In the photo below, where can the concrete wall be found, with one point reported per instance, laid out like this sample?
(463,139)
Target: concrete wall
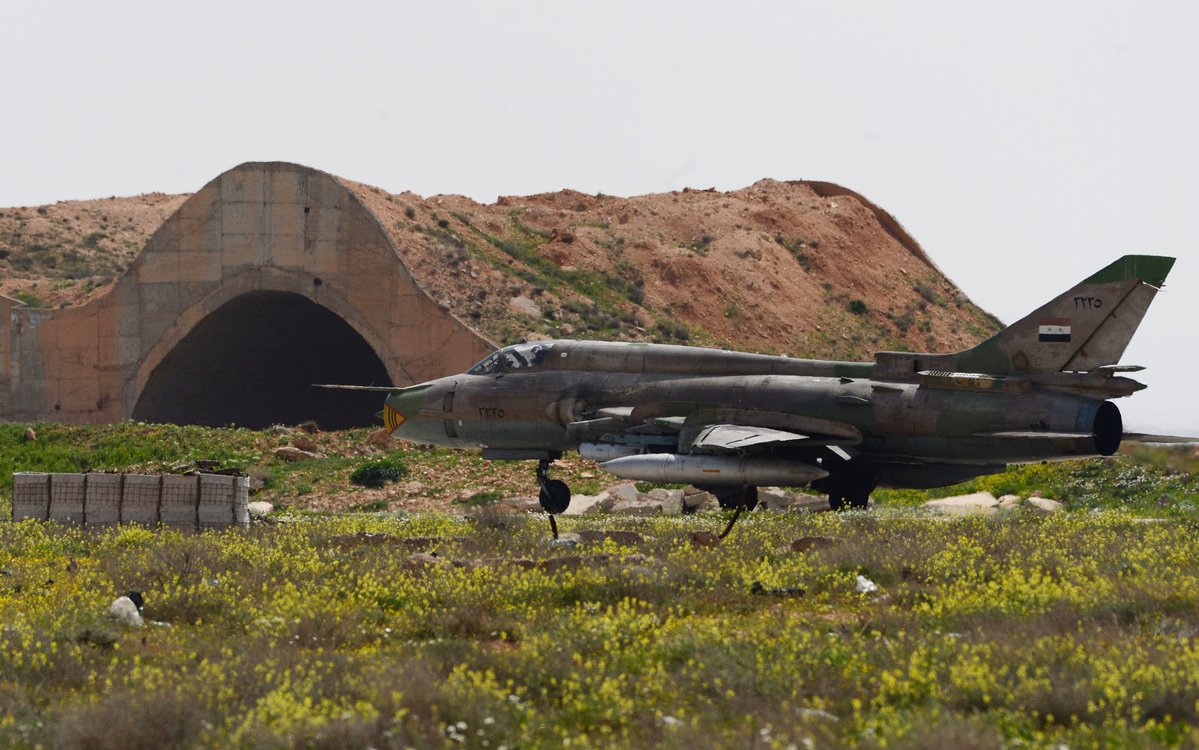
(260,226)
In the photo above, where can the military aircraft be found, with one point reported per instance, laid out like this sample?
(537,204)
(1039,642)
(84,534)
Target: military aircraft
(730,421)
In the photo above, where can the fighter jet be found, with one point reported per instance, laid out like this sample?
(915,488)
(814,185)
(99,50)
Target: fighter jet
(729,422)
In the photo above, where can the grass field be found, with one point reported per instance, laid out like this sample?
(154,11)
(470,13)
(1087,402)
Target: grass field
(469,629)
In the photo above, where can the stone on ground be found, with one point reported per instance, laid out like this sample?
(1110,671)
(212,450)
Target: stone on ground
(589,505)
(778,499)
(293,454)
(124,611)
(978,503)
(1008,502)
(260,508)
(1043,504)
(696,500)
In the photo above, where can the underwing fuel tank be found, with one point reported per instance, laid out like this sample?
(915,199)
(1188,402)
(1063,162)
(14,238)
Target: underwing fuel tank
(713,470)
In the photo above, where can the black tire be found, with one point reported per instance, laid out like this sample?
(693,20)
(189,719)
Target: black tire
(554,496)
(848,486)
(859,485)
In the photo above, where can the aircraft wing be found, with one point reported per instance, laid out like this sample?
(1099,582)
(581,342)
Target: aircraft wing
(732,437)
(703,428)
(726,430)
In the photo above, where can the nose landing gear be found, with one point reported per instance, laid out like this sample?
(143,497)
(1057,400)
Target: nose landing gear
(554,495)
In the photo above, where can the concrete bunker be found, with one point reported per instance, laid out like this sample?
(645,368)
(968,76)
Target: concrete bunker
(253,362)
(271,278)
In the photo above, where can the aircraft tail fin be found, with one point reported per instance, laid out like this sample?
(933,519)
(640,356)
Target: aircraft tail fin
(1087,327)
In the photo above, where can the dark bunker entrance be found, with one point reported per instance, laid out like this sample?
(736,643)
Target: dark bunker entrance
(253,362)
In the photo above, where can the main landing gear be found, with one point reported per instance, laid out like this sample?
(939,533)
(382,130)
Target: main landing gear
(848,485)
(554,495)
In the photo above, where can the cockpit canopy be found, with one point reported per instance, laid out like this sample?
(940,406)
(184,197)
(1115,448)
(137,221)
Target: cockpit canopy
(511,358)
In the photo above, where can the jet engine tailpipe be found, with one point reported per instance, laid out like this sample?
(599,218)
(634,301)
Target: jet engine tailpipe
(713,470)
(1108,429)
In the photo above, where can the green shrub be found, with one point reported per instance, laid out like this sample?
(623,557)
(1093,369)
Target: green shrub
(378,473)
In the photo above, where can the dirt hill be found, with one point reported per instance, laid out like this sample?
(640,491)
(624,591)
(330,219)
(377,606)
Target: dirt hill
(806,268)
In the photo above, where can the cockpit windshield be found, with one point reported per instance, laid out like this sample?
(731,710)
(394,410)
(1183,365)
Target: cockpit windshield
(511,358)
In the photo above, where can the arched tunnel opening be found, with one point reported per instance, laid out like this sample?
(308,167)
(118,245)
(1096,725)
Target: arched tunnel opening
(253,362)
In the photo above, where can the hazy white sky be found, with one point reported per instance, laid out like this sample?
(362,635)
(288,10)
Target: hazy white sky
(1023,144)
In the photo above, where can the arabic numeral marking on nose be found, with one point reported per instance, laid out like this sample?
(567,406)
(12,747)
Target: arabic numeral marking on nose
(491,412)
(1088,303)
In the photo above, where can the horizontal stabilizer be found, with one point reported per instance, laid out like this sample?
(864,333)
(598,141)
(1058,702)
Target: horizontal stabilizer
(371,388)
(1138,437)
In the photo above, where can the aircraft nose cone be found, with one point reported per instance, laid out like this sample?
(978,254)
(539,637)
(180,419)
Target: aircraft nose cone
(403,405)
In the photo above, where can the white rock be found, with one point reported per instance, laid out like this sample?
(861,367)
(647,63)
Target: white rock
(523,504)
(1009,501)
(773,498)
(523,304)
(260,508)
(293,454)
(639,507)
(671,500)
(979,503)
(865,585)
(588,505)
(624,491)
(696,501)
(124,611)
(1044,504)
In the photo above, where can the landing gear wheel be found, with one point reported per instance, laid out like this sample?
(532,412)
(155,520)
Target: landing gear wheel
(848,487)
(554,496)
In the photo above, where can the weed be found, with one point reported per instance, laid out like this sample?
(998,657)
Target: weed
(32,300)
(700,245)
(485,497)
(373,506)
